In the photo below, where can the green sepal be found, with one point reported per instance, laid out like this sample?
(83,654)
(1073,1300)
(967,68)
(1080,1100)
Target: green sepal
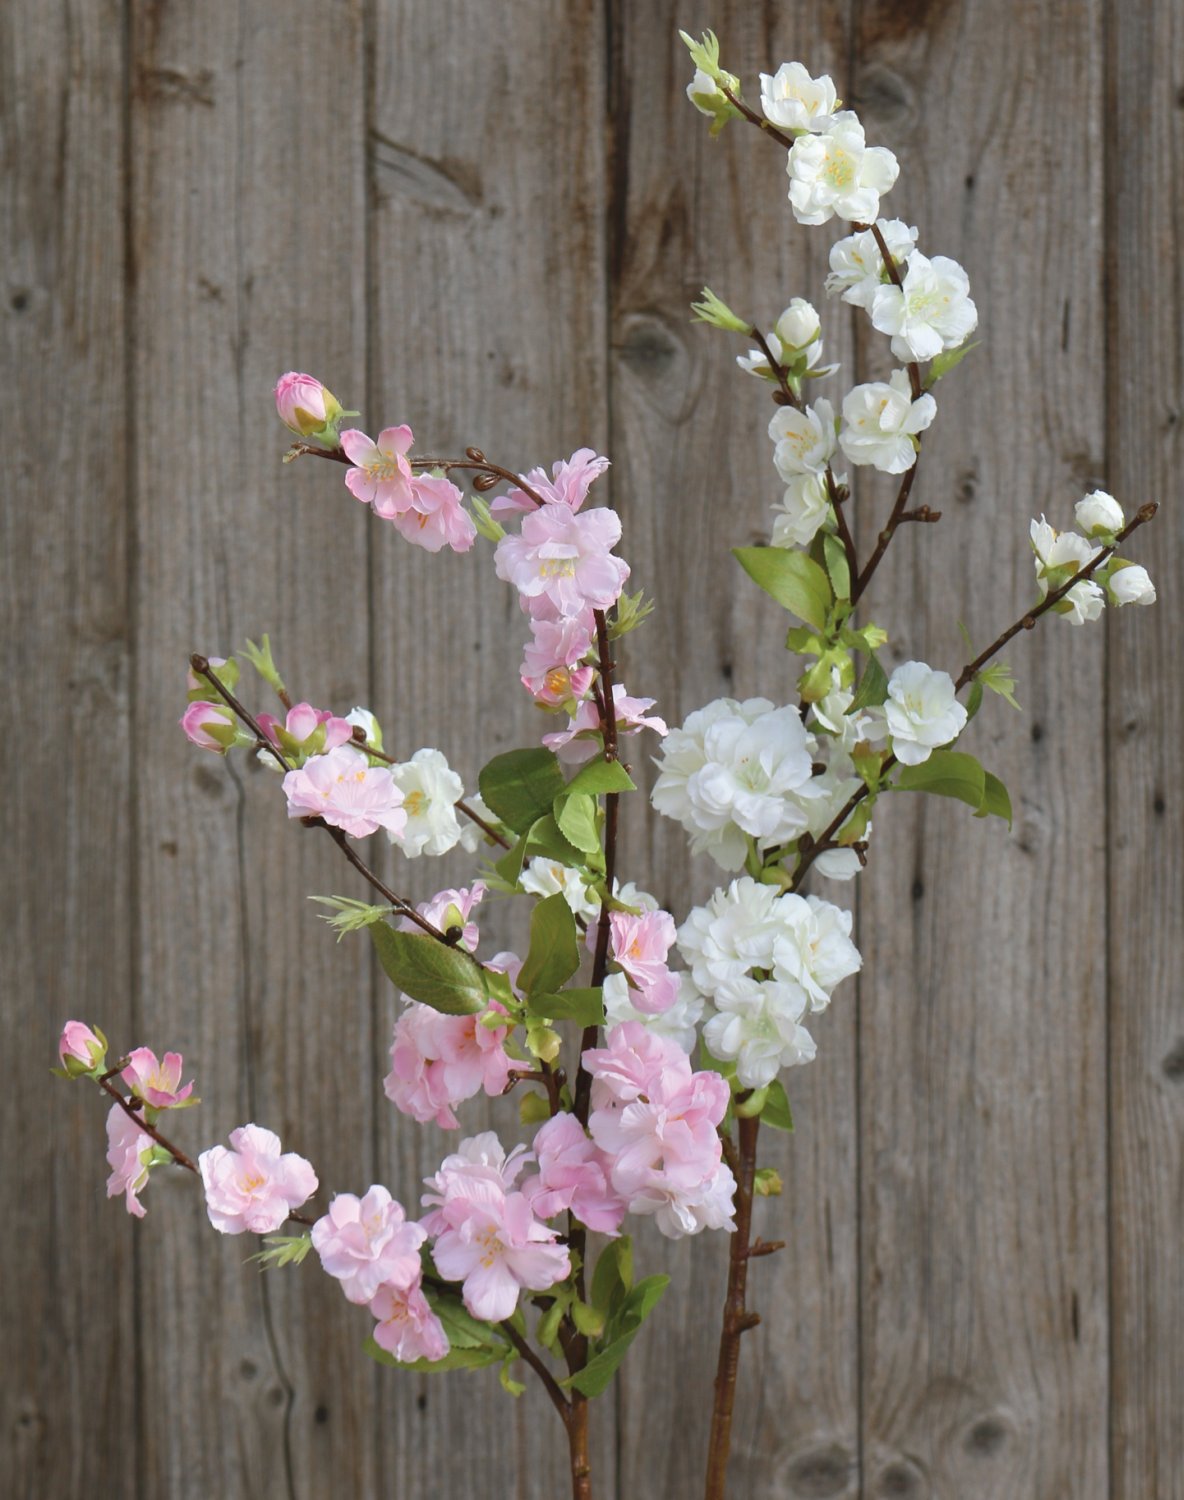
(794,580)
(425,969)
(632,610)
(767,1183)
(588,1320)
(520,786)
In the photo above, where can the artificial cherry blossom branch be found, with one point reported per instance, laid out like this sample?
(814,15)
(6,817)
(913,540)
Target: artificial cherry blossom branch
(474,459)
(898,282)
(201,666)
(1026,621)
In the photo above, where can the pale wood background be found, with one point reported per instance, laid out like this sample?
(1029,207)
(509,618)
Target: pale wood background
(488,220)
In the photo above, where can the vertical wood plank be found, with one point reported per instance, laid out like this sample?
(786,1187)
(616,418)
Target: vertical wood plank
(694,476)
(68,1393)
(1146,915)
(487,169)
(982,1044)
(250,252)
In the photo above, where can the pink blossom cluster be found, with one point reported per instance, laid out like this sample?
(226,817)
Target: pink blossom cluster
(344,789)
(369,1245)
(128,1151)
(583,738)
(656,1121)
(253,1187)
(487,1235)
(574,1176)
(438,1061)
(426,509)
(639,945)
(561,563)
(306,731)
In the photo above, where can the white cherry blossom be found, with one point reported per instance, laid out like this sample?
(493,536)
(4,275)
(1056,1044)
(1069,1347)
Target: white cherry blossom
(430,792)
(803,510)
(921,712)
(836,172)
(931,310)
(856,266)
(1131,585)
(805,440)
(881,421)
(793,100)
(1097,512)
(756,1025)
(547,877)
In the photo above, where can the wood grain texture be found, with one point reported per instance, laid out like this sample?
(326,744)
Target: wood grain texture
(487,247)
(489,221)
(693,476)
(248,219)
(1146,730)
(68,902)
(982,1036)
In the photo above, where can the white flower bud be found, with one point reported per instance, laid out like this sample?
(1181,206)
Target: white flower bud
(1132,585)
(1098,512)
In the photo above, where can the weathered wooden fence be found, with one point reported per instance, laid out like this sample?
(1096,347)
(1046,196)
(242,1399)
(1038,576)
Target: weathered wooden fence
(488,220)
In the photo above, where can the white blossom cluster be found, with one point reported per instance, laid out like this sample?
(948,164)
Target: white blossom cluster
(762,960)
(1061,554)
(431,789)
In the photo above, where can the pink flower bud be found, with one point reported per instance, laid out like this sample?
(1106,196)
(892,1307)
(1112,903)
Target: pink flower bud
(305,406)
(209,726)
(81,1049)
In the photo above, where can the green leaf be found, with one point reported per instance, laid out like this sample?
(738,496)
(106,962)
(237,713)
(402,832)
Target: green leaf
(622,1330)
(575,815)
(455,1359)
(793,579)
(998,677)
(974,699)
(546,839)
(554,953)
(803,641)
(586,1006)
(946,361)
(951,773)
(873,686)
(447,979)
(837,565)
(947,773)
(602,775)
(613,1277)
(464,1331)
(589,1320)
(520,786)
(283,1250)
(548,1329)
(511,1386)
(777,1112)
(996,801)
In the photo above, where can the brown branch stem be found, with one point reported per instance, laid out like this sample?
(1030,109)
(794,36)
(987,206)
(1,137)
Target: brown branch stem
(481,466)
(737,1319)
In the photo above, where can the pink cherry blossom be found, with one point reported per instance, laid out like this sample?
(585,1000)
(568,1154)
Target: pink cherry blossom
(380,474)
(565,558)
(567,484)
(436,517)
(640,945)
(209,726)
(584,736)
(80,1044)
(347,792)
(407,1326)
(301,723)
(550,663)
(656,1121)
(438,1061)
(127,1147)
(303,403)
(366,1242)
(487,1235)
(573,1174)
(446,906)
(254,1186)
(157,1083)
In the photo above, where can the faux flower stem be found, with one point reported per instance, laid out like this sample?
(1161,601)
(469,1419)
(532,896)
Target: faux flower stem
(737,1319)
(202,667)
(1026,621)
(481,466)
